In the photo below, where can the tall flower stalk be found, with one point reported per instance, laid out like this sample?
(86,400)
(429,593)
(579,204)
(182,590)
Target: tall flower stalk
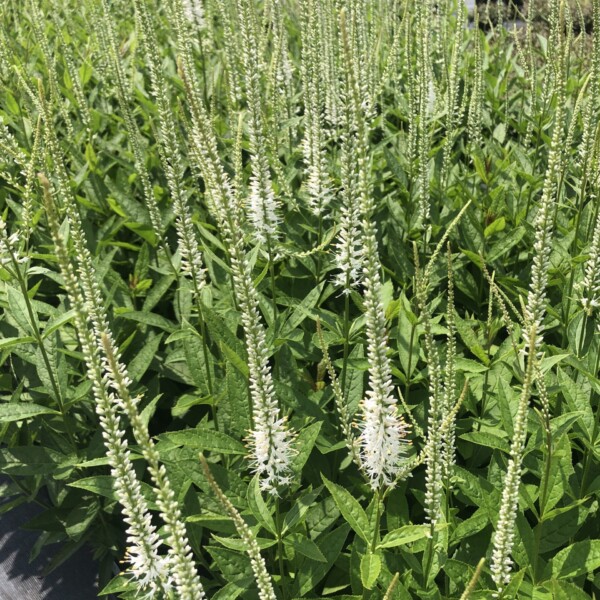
(194,12)
(427,99)
(590,285)
(501,562)
(148,568)
(474,115)
(383,431)
(328,59)
(108,41)
(232,60)
(453,108)
(282,84)
(270,439)
(257,562)
(348,248)
(263,206)
(170,155)
(448,437)
(186,582)
(317,184)
(434,447)
(38,25)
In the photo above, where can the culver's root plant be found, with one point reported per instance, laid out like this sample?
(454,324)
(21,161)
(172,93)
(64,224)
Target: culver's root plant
(300,298)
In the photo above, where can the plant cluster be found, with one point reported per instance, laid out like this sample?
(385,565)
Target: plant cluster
(301,297)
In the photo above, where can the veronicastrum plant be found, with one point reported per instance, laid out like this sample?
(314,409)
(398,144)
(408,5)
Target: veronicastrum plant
(300,298)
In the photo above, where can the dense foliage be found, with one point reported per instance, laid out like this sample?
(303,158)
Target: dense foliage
(300,297)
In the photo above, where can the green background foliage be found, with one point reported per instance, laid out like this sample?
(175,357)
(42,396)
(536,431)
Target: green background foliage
(327,535)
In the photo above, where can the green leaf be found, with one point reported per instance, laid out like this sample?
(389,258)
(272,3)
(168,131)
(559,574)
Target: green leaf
(19,411)
(229,591)
(558,528)
(235,566)
(301,311)
(466,365)
(470,340)
(305,443)
(101,462)
(18,310)
(499,133)
(488,439)
(513,587)
(304,546)
(147,318)
(259,507)
(581,332)
(194,356)
(227,341)
(408,342)
(121,583)
(118,209)
(355,381)
(557,482)
(474,524)
(142,360)
(11,342)
(404,535)
(91,157)
(351,510)
(30,460)
(480,168)
(187,401)
(57,322)
(11,103)
(80,519)
(299,509)
(233,403)
(157,291)
(578,398)
(562,424)
(563,590)
(240,545)
(102,485)
(505,243)
(312,571)
(494,227)
(577,559)
(235,359)
(205,439)
(370,567)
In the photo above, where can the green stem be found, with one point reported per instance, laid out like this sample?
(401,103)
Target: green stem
(278,524)
(413,329)
(378,499)
(346,336)
(487,373)
(543,499)
(205,352)
(319,240)
(429,555)
(572,276)
(377,522)
(163,244)
(38,337)
(272,275)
